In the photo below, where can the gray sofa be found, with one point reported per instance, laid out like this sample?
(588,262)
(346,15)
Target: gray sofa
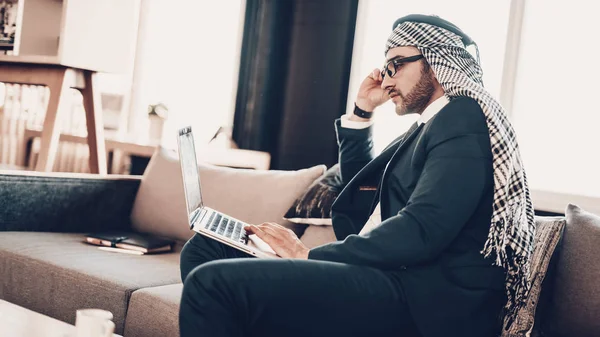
(45,266)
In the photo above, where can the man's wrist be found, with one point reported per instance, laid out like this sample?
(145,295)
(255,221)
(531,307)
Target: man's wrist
(305,254)
(361,115)
(361,104)
(355,118)
(355,123)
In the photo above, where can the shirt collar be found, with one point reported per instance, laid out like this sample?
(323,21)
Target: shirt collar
(432,109)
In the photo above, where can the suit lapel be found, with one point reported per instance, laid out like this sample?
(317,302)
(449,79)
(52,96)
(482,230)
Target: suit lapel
(377,164)
(389,152)
(402,147)
(398,150)
(371,176)
(365,181)
(350,209)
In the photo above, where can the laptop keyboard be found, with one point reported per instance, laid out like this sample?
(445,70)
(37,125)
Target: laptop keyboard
(226,227)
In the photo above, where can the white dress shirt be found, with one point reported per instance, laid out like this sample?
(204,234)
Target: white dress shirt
(431,110)
(427,114)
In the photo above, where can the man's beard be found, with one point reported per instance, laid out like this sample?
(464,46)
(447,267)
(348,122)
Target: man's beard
(416,101)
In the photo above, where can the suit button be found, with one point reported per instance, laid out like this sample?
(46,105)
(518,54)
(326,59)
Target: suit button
(403,267)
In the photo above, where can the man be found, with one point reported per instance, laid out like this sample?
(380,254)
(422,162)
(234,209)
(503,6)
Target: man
(412,222)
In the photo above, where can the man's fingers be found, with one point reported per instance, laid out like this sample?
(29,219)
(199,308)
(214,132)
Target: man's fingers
(268,235)
(273,226)
(284,237)
(274,232)
(283,229)
(253,229)
(277,244)
(375,74)
(283,240)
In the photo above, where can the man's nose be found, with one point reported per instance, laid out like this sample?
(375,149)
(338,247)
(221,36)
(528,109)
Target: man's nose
(387,83)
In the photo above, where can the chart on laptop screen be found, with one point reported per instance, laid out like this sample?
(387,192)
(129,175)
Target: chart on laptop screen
(189,166)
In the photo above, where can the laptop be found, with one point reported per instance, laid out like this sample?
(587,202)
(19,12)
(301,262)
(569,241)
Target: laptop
(205,220)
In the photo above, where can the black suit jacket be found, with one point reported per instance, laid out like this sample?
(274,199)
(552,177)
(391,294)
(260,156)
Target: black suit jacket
(436,193)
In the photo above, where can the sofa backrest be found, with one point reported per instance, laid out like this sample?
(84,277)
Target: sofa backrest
(65,202)
(253,196)
(572,306)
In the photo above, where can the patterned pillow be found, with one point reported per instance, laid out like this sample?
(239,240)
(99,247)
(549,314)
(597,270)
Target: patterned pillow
(314,206)
(548,233)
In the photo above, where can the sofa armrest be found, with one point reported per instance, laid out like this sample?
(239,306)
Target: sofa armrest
(65,202)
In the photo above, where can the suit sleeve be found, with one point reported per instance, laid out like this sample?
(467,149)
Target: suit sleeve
(456,174)
(355,149)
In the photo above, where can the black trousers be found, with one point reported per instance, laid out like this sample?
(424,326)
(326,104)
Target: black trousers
(229,293)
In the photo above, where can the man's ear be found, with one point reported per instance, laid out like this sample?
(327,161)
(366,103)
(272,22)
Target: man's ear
(433,77)
(430,70)
(436,83)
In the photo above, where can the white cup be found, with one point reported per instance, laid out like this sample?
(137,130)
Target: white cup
(94,323)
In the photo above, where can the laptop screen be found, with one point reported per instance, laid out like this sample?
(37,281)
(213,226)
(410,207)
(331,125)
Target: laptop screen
(189,170)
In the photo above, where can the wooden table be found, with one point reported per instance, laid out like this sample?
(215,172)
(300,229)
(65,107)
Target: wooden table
(16,321)
(59,78)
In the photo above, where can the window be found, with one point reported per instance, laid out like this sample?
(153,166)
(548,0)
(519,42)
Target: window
(555,107)
(485,21)
(188,59)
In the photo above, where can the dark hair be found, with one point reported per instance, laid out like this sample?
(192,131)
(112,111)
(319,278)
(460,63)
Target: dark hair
(426,67)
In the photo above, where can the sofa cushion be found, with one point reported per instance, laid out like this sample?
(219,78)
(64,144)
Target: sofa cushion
(576,299)
(154,312)
(314,206)
(56,273)
(548,234)
(252,196)
(316,235)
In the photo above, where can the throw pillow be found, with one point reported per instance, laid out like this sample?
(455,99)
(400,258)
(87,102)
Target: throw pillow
(547,236)
(253,196)
(314,206)
(576,298)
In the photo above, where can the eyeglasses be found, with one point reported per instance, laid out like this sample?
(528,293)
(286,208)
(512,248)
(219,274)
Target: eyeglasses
(392,66)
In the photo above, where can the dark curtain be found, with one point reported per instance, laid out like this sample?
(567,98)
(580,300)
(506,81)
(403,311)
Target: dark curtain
(293,83)
(263,67)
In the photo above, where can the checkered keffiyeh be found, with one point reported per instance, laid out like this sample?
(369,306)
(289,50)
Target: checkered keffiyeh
(512,228)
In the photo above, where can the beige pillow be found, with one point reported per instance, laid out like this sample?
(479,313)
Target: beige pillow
(317,235)
(250,195)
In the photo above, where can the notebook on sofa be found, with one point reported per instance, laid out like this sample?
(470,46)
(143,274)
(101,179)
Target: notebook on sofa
(144,243)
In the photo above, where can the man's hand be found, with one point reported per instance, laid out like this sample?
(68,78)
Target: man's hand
(370,95)
(283,240)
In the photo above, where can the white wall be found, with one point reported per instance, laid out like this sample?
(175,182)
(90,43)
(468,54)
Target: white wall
(188,58)
(484,21)
(556,110)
